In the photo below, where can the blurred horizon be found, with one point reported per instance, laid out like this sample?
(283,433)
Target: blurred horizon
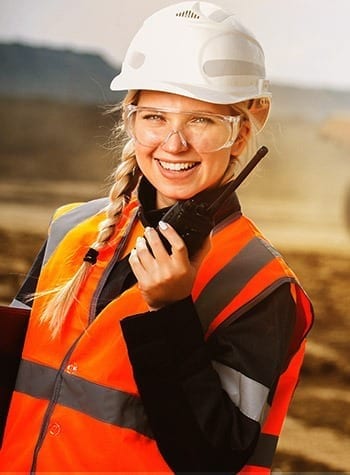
(52,104)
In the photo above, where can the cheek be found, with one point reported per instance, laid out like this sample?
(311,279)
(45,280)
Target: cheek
(143,158)
(217,165)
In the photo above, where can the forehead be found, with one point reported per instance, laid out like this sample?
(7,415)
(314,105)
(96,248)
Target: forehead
(175,101)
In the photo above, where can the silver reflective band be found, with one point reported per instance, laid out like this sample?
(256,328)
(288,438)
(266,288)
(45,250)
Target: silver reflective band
(18,304)
(103,403)
(204,131)
(248,395)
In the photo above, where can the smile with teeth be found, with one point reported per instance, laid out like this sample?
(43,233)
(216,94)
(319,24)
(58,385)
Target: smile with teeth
(178,166)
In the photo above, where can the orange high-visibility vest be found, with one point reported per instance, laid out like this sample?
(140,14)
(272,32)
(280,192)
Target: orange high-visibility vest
(76,405)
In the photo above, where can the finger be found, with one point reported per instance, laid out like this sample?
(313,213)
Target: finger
(136,265)
(177,243)
(143,252)
(155,243)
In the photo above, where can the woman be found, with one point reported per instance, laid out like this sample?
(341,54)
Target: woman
(138,359)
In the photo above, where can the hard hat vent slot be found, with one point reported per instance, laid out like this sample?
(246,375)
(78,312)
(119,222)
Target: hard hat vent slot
(188,14)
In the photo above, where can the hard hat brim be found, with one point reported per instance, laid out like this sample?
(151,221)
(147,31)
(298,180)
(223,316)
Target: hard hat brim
(260,112)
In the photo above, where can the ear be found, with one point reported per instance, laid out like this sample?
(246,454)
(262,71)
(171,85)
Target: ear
(242,138)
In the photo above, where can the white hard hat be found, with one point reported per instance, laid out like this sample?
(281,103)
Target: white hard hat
(198,50)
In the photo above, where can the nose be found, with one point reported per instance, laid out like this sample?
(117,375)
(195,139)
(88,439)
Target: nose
(174,142)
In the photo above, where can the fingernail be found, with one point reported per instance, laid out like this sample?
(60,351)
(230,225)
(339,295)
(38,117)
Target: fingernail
(163,225)
(140,242)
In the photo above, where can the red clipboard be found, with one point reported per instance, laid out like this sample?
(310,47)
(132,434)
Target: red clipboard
(13,327)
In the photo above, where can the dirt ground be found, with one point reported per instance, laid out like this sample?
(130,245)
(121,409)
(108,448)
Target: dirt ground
(316,435)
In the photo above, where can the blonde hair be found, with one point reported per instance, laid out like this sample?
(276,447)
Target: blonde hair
(249,139)
(125,179)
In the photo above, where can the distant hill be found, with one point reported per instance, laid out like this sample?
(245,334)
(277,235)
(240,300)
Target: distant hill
(42,139)
(64,75)
(53,126)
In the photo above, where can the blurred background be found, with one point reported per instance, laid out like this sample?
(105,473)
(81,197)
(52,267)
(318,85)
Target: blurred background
(57,59)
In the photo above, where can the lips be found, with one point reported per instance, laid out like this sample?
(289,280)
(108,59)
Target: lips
(177,166)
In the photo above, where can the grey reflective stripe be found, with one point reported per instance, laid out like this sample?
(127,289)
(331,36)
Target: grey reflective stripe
(100,402)
(231,279)
(248,395)
(259,298)
(18,304)
(230,67)
(63,224)
(264,451)
(36,380)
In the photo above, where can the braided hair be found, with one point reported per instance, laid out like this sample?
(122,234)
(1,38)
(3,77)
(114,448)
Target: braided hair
(124,181)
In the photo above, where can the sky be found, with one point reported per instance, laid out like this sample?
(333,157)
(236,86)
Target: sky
(306,42)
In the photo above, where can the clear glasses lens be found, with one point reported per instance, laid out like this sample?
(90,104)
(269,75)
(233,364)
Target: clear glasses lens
(205,132)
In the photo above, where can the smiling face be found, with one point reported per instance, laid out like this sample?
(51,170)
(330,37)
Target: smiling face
(176,168)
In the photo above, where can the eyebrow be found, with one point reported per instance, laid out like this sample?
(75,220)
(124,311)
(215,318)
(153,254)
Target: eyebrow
(176,110)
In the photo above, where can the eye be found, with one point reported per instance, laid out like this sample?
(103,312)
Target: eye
(151,116)
(201,120)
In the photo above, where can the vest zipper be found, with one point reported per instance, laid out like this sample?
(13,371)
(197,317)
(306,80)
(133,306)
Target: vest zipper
(51,406)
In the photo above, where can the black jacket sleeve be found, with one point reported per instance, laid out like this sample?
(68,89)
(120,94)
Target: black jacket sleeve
(196,424)
(29,284)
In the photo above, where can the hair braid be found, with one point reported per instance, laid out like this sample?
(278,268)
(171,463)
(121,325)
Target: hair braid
(125,180)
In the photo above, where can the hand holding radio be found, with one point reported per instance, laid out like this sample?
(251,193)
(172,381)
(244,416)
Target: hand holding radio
(166,260)
(193,219)
(164,277)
